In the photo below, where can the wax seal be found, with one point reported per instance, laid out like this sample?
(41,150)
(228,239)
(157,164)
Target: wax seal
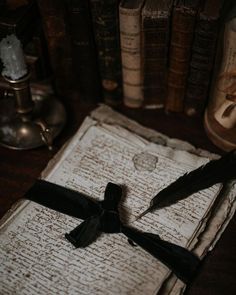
(145,162)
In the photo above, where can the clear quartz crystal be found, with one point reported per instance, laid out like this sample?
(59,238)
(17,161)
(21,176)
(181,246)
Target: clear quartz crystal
(12,57)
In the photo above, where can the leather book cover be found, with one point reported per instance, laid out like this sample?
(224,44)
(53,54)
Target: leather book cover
(84,55)
(159,66)
(177,78)
(155,38)
(203,53)
(175,92)
(200,61)
(58,42)
(105,16)
(182,30)
(196,91)
(36,55)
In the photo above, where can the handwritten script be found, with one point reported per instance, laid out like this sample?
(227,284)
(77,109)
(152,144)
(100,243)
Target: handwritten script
(35,258)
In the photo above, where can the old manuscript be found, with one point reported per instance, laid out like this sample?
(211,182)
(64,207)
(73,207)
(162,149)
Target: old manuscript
(35,257)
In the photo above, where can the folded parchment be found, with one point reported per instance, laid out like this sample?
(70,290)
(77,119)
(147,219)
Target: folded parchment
(35,257)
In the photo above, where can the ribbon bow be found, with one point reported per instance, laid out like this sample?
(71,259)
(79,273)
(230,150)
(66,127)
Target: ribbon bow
(103,216)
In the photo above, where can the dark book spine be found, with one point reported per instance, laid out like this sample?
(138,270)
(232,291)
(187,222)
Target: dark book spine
(155,37)
(58,42)
(203,53)
(105,15)
(84,55)
(183,22)
(36,56)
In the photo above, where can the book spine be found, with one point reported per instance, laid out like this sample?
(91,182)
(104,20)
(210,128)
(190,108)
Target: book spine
(36,56)
(53,19)
(183,21)
(155,37)
(130,38)
(105,15)
(201,64)
(84,56)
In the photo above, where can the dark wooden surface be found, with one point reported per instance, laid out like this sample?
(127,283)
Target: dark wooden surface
(19,169)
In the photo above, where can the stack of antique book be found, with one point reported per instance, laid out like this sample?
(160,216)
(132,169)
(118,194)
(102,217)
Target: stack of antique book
(146,53)
(35,256)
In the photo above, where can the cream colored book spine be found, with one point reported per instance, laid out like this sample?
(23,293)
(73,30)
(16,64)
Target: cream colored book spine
(130,39)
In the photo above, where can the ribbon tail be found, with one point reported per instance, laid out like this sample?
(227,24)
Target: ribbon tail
(85,233)
(62,199)
(182,262)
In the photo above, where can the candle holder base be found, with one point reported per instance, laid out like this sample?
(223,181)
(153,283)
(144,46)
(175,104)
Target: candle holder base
(34,129)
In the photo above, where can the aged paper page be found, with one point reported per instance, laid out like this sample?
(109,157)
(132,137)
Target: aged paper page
(34,256)
(36,259)
(109,153)
(212,229)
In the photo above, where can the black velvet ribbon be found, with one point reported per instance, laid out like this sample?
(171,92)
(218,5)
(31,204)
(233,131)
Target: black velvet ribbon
(103,217)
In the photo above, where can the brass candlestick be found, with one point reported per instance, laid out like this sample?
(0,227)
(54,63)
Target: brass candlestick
(26,121)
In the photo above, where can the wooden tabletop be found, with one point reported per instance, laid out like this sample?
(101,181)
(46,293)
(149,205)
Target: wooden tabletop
(19,169)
